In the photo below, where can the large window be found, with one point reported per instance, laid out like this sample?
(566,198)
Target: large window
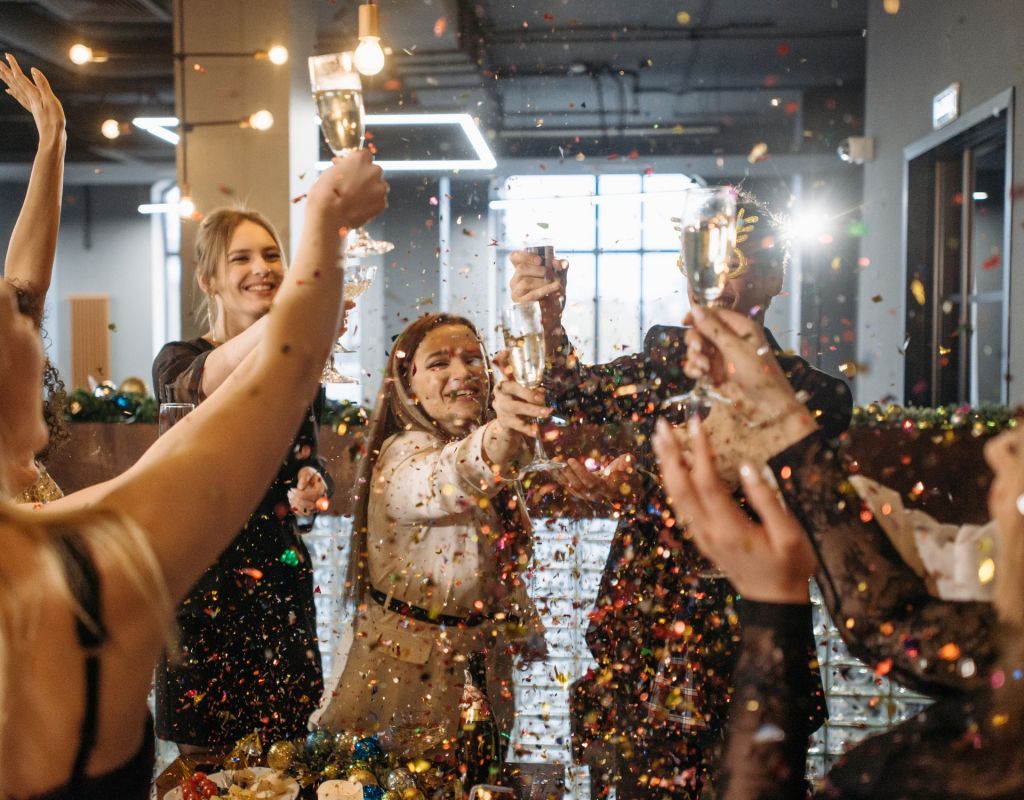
(619,235)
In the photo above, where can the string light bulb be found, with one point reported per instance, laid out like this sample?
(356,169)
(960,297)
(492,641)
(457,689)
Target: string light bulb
(278,54)
(83,54)
(110,128)
(261,120)
(369,55)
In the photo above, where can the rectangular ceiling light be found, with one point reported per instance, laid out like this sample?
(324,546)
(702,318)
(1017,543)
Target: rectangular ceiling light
(484,157)
(161,127)
(165,128)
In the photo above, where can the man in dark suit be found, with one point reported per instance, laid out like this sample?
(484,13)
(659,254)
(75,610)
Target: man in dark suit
(662,630)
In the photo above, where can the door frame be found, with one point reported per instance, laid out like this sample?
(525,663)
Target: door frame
(1004,101)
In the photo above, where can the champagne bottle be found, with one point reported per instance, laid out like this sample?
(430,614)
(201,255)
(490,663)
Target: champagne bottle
(480,745)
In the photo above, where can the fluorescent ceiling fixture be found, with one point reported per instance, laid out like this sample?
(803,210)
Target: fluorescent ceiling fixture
(163,128)
(591,199)
(160,127)
(158,208)
(980,195)
(484,157)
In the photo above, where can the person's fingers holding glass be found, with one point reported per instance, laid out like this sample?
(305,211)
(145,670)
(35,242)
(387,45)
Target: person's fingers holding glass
(533,280)
(309,494)
(517,407)
(769,562)
(733,352)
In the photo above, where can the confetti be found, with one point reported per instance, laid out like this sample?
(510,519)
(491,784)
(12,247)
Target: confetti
(917,289)
(683,18)
(757,153)
(440,26)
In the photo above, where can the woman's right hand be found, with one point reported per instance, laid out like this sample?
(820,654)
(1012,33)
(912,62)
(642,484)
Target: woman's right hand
(518,408)
(530,281)
(732,352)
(350,192)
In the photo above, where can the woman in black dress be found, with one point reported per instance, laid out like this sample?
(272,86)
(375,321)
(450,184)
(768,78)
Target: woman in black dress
(248,658)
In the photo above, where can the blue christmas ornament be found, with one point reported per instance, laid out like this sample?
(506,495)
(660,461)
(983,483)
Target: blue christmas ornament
(372,793)
(318,743)
(366,749)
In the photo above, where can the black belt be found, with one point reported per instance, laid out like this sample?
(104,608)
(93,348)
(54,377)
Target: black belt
(422,615)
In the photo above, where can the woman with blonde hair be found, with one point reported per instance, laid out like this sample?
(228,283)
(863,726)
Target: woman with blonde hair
(440,538)
(248,659)
(87,583)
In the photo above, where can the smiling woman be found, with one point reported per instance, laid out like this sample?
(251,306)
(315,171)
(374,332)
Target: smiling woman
(254,608)
(440,539)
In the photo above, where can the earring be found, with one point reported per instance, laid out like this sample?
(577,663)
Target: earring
(1020,504)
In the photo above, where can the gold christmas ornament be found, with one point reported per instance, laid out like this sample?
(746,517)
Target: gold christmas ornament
(281,755)
(133,386)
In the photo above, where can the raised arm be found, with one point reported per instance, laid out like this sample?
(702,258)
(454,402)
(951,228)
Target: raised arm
(30,254)
(195,487)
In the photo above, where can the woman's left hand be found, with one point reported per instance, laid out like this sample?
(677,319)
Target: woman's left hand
(309,495)
(770,562)
(35,96)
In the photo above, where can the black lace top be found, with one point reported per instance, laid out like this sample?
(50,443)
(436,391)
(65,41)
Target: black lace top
(966,745)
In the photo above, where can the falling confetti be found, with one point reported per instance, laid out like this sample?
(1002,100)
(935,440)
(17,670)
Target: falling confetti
(757,153)
(891,6)
(440,26)
(917,289)
(683,18)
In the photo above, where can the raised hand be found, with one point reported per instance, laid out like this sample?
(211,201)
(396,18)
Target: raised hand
(35,96)
(531,281)
(731,350)
(770,562)
(351,192)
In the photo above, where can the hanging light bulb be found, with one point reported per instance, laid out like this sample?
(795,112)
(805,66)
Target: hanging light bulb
(369,55)
(186,207)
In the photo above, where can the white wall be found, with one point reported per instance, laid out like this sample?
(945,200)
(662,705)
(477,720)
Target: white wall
(104,247)
(912,56)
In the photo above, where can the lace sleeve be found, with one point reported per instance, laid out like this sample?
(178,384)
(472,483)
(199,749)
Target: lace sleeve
(882,608)
(774,699)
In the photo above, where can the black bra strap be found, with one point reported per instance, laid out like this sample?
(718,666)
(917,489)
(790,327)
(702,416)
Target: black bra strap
(84,582)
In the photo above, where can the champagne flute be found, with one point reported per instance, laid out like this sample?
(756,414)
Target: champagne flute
(172,413)
(708,241)
(524,338)
(338,94)
(358,277)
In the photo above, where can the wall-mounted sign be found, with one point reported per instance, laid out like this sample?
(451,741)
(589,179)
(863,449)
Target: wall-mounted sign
(946,106)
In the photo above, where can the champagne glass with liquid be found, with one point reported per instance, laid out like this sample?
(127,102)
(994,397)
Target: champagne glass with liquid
(524,337)
(708,242)
(338,94)
(358,277)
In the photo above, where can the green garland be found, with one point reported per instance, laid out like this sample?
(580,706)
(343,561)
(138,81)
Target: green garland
(109,405)
(986,419)
(342,416)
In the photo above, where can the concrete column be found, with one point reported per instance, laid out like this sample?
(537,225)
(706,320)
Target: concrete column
(217,81)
